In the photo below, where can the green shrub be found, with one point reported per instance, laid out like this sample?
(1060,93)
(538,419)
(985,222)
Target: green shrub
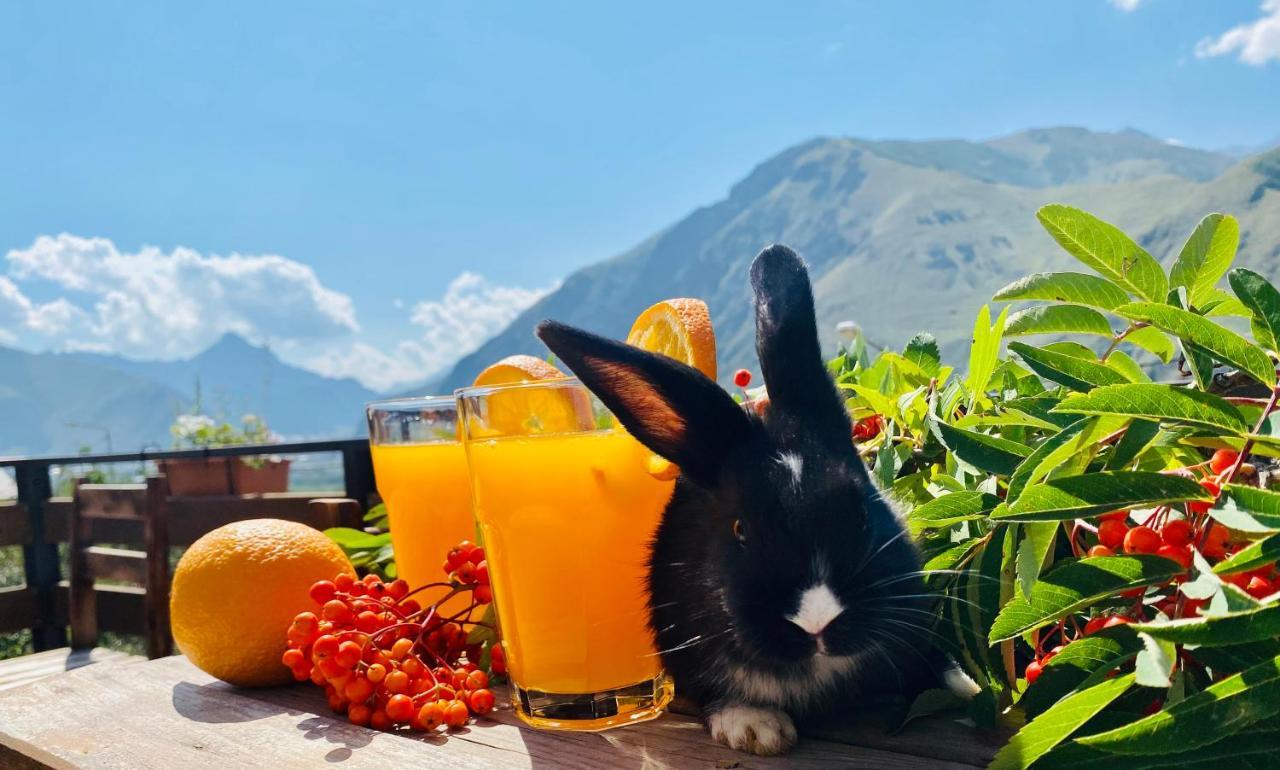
(1004,476)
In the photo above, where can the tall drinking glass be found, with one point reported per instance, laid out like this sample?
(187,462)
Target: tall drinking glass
(567,509)
(420,468)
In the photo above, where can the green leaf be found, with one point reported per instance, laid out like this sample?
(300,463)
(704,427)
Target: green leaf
(932,702)
(1074,585)
(1074,288)
(984,352)
(1058,319)
(1263,301)
(1106,249)
(1155,662)
(1203,334)
(923,351)
(1221,303)
(1137,437)
(1029,470)
(1248,509)
(951,509)
(1251,625)
(1073,497)
(1252,748)
(1075,373)
(1206,256)
(1206,717)
(1160,402)
(1237,657)
(1153,341)
(1081,661)
(879,403)
(1057,724)
(1033,549)
(1252,556)
(354,539)
(988,453)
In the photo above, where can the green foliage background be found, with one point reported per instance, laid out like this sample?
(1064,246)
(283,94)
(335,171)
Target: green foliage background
(1004,472)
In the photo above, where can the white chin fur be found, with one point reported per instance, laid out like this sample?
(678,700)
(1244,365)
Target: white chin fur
(958,682)
(755,730)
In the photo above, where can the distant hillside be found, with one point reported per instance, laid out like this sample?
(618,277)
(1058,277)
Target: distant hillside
(910,236)
(57,402)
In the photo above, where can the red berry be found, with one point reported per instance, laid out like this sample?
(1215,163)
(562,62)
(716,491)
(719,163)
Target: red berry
(358,689)
(324,647)
(379,720)
(1141,539)
(483,594)
(1176,532)
(396,682)
(343,582)
(358,714)
(1210,487)
(497,659)
(482,572)
(398,589)
(431,715)
(1111,533)
(456,714)
(742,378)
(481,701)
(1222,460)
(349,654)
(336,610)
(1259,587)
(1101,550)
(322,591)
(1034,668)
(1095,624)
(399,708)
(376,673)
(466,573)
(1178,553)
(477,680)
(293,658)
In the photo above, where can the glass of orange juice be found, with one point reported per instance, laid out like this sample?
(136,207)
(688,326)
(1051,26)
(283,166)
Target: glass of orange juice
(420,469)
(567,509)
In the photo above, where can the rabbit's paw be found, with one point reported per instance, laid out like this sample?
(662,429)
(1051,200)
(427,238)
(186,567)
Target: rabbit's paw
(756,730)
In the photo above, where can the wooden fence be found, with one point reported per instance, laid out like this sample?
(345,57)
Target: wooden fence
(39,521)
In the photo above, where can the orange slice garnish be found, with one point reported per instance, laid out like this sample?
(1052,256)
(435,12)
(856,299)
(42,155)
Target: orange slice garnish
(679,328)
(529,411)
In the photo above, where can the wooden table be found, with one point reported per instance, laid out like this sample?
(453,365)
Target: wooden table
(166,714)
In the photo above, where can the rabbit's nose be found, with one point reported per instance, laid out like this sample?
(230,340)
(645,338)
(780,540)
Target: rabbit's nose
(818,607)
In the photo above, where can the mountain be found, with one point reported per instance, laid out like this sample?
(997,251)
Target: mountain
(57,402)
(904,237)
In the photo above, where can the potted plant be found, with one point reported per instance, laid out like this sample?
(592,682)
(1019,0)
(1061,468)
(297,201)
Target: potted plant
(223,475)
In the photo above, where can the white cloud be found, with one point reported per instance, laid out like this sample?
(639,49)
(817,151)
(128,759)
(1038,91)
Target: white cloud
(471,311)
(1128,6)
(154,304)
(1257,42)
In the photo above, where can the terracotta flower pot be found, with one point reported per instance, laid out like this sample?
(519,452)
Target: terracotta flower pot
(205,476)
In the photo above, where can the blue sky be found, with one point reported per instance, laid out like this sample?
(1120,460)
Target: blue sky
(397,179)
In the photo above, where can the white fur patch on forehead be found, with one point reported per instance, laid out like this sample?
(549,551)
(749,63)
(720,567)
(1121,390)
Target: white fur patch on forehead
(794,464)
(818,607)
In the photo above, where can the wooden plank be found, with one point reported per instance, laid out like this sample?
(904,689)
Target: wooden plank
(190,517)
(117,564)
(121,609)
(15,672)
(112,501)
(165,714)
(15,526)
(17,608)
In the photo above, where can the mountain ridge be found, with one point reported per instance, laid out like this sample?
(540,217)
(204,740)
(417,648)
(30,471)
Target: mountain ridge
(905,236)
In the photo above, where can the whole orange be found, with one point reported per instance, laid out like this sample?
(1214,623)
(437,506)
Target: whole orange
(237,589)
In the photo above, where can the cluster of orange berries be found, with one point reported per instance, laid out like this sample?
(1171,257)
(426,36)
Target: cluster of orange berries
(1172,538)
(384,660)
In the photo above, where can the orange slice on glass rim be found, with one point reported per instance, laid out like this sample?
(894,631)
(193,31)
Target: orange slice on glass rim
(528,411)
(679,328)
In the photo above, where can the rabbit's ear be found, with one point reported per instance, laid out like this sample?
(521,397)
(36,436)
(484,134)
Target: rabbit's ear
(787,339)
(671,408)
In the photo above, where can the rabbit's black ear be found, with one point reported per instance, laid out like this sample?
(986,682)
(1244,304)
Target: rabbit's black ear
(787,339)
(671,408)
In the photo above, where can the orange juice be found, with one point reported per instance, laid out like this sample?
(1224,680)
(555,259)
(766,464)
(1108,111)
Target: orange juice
(428,497)
(567,520)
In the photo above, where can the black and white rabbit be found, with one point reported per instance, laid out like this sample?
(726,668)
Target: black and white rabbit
(783,587)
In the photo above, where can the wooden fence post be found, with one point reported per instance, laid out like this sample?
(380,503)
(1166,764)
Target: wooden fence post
(40,558)
(357,474)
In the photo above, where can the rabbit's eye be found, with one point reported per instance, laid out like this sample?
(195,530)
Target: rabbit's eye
(737,531)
